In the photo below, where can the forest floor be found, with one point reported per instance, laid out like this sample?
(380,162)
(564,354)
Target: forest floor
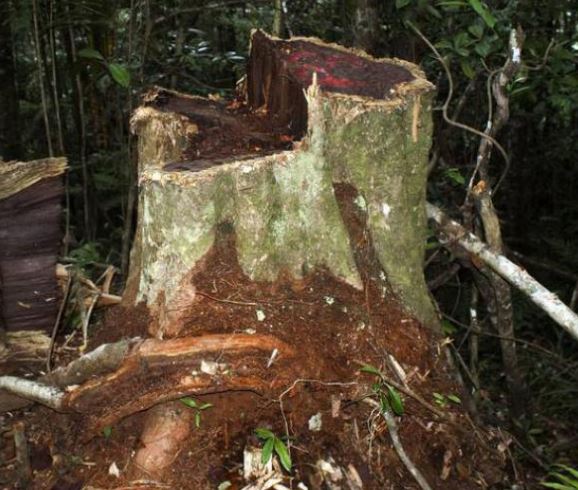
(333,330)
(331,326)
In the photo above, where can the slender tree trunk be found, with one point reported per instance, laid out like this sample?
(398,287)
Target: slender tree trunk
(10,148)
(366,25)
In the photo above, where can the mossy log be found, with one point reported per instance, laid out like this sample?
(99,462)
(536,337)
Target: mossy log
(318,116)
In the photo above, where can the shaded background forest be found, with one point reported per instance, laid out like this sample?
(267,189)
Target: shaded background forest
(71,73)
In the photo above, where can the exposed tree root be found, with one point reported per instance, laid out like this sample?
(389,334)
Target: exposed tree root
(167,426)
(144,373)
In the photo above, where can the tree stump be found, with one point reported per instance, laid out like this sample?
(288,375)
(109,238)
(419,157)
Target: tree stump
(30,237)
(324,127)
(279,249)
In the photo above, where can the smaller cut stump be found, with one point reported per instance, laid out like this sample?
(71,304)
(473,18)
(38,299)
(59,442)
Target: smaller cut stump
(30,238)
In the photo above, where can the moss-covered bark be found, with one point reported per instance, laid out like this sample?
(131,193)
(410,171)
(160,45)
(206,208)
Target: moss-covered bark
(283,207)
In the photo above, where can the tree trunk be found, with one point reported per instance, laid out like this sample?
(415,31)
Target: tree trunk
(9,110)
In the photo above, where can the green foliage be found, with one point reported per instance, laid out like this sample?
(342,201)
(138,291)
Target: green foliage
(454,176)
(448,328)
(197,407)
(388,397)
(119,74)
(444,400)
(567,478)
(483,11)
(107,432)
(273,443)
(86,255)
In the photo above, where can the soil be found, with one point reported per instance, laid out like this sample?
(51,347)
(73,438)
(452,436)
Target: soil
(334,329)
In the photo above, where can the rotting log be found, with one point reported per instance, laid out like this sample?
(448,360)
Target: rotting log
(353,121)
(30,237)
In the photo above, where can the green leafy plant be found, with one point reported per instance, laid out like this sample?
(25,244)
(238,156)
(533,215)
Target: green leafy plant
(454,176)
(197,407)
(389,398)
(273,443)
(107,432)
(118,72)
(567,478)
(444,400)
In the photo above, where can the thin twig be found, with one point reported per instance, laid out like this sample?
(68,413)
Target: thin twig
(398,446)
(242,303)
(57,323)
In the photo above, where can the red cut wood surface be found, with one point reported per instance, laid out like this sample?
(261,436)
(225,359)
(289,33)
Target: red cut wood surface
(279,71)
(30,236)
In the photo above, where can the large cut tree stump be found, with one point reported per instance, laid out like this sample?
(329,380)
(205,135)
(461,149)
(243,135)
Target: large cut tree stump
(358,126)
(279,248)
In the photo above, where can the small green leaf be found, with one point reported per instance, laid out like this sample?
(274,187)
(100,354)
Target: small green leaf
(435,12)
(569,482)
(448,328)
(455,399)
(468,72)
(462,40)
(283,453)
(399,4)
(267,450)
(204,406)
(455,175)
(367,368)
(90,54)
(452,4)
(439,397)
(570,470)
(444,44)
(395,401)
(107,431)
(476,30)
(483,12)
(483,48)
(264,433)
(189,402)
(119,74)
(555,486)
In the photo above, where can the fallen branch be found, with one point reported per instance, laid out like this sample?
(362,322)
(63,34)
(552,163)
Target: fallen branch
(450,232)
(104,359)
